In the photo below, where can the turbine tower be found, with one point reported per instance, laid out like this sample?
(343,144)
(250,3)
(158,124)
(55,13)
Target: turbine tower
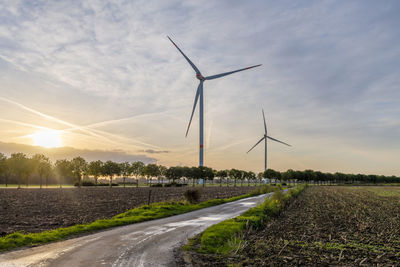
(265,137)
(199,94)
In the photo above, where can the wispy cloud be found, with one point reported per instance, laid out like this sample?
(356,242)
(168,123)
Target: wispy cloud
(151,151)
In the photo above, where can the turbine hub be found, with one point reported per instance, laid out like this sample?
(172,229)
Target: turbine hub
(200,77)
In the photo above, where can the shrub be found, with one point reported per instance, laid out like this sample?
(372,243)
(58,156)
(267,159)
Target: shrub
(90,183)
(262,190)
(174,184)
(106,184)
(192,195)
(85,183)
(156,185)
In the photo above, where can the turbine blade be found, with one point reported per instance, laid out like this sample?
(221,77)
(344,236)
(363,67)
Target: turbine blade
(256,144)
(228,73)
(265,125)
(200,87)
(276,140)
(188,60)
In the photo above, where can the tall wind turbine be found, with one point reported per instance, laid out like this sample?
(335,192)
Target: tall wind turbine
(199,94)
(265,137)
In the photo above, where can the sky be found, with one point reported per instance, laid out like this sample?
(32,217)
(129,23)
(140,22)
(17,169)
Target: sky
(105,76)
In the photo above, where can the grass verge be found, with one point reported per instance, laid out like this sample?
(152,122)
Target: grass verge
(225,237)
(136,215)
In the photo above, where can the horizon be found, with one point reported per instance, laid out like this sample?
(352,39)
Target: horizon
(104,80)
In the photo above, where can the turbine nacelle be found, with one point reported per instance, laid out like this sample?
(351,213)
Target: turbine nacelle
(200,77)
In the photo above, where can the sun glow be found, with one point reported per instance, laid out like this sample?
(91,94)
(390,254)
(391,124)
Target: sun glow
(48,138)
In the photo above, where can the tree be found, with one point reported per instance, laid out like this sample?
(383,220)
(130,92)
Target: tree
(260,176)
(4,168)
(271,174)
(63,169)
(221,174)
(110,169)
(288,175)
(340,177)
(195,174)
(188,173)
(151,170)
(42,167)
(79,168)
(125,170)
(242,177)
(250,176)
(20,167)
(161,172)
(319,176)
(173,173)
(309,175)
(137,169)
(198,173)
(298,175)
(236,174)
(205,173)
(94,168)
(49,174)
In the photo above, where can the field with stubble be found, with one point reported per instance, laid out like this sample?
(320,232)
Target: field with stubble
(326,225)
(37,210)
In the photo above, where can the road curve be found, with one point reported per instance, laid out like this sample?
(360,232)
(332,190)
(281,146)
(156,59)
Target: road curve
(143,244)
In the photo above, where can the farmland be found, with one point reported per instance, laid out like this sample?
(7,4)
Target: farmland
(325,225)
(34,210)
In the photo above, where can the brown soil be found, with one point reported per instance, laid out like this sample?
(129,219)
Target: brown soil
(339,226)
(36,210)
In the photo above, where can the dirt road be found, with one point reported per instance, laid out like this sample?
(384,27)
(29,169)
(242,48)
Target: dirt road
(143,244)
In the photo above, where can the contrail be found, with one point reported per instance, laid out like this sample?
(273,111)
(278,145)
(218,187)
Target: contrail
(25,124)
(104,123)
(48,117)
(231,145)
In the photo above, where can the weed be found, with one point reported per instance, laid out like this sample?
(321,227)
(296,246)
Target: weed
(192,195)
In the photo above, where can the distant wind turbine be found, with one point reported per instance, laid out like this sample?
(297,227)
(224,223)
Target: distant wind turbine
(199,94)
(265,137)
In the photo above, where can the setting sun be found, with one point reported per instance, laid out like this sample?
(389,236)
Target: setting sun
(48,139)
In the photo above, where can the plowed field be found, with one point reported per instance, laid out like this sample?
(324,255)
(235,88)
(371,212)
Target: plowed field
(36,210)
(340,226)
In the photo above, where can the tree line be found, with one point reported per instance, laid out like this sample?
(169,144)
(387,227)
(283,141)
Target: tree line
(38,169)
(317,177)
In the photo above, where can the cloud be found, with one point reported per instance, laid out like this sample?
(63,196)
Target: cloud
(151,151)
(330,76)
(69,153)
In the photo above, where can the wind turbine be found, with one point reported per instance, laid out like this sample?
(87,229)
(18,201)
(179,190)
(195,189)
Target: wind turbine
(199,94)
(265,137)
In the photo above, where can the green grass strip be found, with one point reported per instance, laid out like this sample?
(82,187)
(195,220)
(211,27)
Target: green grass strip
(225,236)
(136,215)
